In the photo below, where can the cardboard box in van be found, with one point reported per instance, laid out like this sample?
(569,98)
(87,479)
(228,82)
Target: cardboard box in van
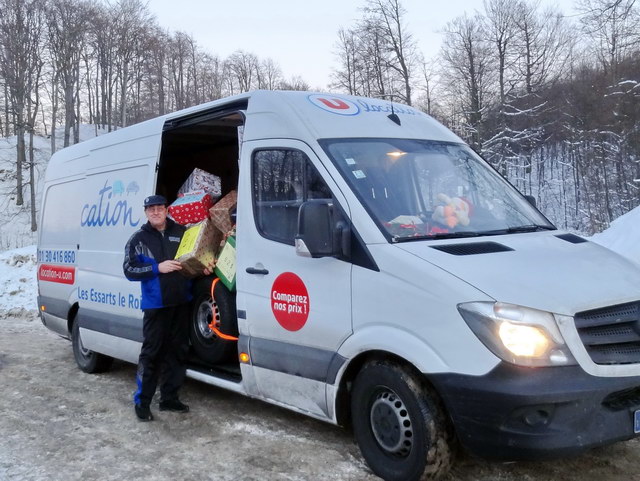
(198,248)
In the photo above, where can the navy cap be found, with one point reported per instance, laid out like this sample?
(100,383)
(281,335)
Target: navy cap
(155,200)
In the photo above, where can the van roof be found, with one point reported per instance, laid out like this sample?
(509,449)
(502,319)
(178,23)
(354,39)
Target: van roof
(283,114)
(292,114)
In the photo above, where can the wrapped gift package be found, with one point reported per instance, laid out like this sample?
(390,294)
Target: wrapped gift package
(221,211)
(198,248)
(202,180)
(226,264)
(191,208)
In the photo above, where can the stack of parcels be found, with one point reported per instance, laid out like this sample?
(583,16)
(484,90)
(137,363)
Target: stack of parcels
(201,180)
(191,208)
(201,242)
(198,248)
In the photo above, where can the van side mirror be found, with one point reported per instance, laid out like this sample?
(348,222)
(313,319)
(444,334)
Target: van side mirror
(531,199)
(321,232)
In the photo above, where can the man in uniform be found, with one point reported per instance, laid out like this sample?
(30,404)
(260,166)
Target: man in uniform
(149,258)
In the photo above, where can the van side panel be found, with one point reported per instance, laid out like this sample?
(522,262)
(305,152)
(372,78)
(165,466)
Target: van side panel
(109,212)
(414,315)
(58,252)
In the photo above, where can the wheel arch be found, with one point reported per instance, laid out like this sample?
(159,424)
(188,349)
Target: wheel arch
(71,316)
(355,365)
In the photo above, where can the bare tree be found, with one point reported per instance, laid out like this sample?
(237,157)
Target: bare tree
(543,45)
(429,86)
(347,51)
(101,38)
(269,75)
(33,105)
(615,27)
(20,66)
(294,83)
(212,76)
(466,67)
(243,67)
(132,21)
(389,17)
(501,32)
(509,136)
(67,24)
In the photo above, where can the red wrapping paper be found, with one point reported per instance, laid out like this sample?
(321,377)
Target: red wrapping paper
(191,208)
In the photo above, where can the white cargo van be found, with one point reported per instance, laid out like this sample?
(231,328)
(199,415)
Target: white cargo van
(387,279)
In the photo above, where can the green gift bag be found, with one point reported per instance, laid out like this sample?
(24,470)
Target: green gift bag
(226,264)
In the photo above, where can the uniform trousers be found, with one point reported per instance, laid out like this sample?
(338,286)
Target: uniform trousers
(163,355)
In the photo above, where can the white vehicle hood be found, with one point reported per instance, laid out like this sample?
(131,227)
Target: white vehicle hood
(542,271)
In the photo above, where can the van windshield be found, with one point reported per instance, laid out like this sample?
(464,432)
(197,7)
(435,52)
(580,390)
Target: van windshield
(417,189)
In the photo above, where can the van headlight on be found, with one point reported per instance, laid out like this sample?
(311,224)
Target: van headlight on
(517,334)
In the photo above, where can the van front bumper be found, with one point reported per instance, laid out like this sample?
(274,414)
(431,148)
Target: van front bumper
(516,413)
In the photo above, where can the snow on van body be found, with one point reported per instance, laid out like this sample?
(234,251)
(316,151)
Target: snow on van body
(403,295)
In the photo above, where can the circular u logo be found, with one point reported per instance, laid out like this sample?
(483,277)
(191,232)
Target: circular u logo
(333,104)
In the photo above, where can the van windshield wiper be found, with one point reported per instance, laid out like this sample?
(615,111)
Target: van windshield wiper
(531,228)
(439,235)
(518,229)
(462,234)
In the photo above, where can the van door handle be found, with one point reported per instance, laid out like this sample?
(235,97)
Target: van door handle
(253,270)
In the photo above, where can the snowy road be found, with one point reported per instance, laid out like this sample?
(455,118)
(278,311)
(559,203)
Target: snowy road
(59,423)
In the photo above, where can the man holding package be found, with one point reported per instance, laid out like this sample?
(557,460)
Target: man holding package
(149,258)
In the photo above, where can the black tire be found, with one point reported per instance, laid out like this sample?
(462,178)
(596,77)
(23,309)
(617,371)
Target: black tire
(399,424)
(89,361)
(206,344)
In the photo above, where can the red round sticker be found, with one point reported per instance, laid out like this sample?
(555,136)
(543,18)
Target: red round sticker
(290,301)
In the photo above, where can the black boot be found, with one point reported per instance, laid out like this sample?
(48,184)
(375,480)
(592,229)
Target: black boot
(174,405)
(143,413)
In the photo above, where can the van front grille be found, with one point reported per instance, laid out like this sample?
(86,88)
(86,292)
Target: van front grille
(611,335)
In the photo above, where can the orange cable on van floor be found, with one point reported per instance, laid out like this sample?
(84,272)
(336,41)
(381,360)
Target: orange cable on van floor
(212,324)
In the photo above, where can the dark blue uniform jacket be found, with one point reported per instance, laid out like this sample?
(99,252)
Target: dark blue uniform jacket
(146,248)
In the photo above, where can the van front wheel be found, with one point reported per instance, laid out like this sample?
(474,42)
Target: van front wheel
(88,361)
(398,424)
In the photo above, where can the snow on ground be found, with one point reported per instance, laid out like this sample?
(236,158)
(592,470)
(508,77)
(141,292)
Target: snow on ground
(18,286)
(623,236)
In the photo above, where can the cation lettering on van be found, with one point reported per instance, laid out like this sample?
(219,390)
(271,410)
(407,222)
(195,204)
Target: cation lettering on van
(103,213)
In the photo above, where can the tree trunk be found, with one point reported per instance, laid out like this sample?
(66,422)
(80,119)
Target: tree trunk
(76,124)
(69,111)
(123,95)
(20,147)
(32,183)
(6,109)
(92,119)
(54,113)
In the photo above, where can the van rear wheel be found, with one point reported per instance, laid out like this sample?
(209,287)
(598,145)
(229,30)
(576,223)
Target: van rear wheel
(206,343)
(399,424)
(87,360)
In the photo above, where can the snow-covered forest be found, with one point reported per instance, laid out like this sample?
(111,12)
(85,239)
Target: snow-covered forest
(552,101)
